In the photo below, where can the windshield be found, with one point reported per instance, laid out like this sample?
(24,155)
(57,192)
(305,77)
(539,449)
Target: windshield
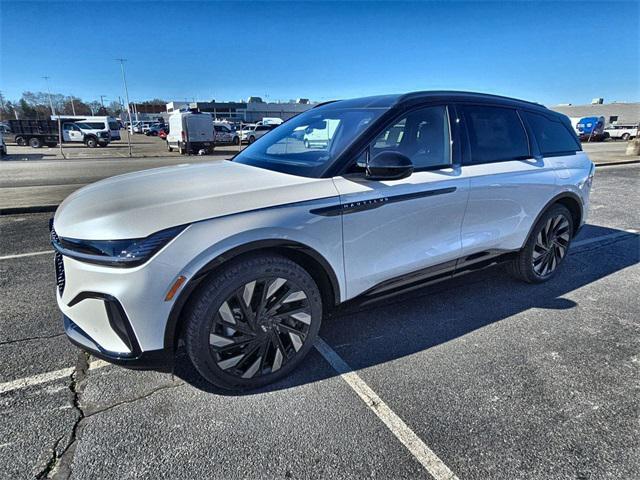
(309,142)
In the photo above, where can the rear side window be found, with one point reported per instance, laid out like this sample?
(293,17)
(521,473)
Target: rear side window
(495,134)
(553,137)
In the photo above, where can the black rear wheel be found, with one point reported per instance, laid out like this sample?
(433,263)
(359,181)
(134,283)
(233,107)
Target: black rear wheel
(546,248)
(253,322)
(35,142)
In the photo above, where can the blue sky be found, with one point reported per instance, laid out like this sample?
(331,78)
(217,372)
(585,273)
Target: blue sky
(552,52)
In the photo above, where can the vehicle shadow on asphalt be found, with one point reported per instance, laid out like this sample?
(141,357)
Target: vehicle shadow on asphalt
(371,332)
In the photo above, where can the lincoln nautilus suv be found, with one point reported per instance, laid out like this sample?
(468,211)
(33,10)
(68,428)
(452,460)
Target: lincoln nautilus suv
(239,260)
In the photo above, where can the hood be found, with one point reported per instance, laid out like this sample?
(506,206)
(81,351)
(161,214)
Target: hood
(138,204)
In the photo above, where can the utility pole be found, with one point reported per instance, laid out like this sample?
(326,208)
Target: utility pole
(73,107)
(46,78)
(126,93)
(1,107)
(53,112)
(102,97)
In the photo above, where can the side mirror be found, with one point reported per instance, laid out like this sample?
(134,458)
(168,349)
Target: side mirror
(389,166)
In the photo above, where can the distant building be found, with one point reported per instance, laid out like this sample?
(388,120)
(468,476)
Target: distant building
(176,106)
(612,112)
(251,111)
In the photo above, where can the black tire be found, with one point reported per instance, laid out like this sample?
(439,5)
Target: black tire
(169,147)
(35,142)
(546,248)
(236,141)
(625,136)
(254,352)
(252,139)
(91,142)
(20,141)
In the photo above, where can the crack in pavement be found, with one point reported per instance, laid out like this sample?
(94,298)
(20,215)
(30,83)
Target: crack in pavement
(60,465)
(133,400)
(43,337)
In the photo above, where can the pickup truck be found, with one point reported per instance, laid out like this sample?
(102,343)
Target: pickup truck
(622,132)
(37,133)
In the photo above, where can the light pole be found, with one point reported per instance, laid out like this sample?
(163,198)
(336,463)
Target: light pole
(53,112)
(102,97)
(126,93)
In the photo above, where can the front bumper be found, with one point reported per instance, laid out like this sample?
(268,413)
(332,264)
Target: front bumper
(161,360)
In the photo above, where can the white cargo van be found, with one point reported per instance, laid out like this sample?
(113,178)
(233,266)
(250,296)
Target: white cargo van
(95,123)
(190,132)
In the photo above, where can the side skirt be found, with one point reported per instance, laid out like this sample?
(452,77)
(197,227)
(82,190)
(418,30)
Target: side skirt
(435,274)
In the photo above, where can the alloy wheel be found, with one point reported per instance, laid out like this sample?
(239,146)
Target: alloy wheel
(551,245)
(260,327)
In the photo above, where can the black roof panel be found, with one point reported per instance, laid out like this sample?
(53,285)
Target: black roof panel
(388,101)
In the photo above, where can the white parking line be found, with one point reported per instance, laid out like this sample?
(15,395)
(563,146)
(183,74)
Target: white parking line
(44,377)
(31,254)
(601,238)
(427,458)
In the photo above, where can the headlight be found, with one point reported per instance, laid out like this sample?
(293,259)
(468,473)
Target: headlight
(116,253)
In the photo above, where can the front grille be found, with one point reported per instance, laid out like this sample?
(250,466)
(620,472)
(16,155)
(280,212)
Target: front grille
(60,279)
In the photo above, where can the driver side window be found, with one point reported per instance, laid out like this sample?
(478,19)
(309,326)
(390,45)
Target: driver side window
(422,135)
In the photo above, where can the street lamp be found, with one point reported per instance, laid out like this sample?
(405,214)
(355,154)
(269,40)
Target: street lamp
(53,113)
(126,93)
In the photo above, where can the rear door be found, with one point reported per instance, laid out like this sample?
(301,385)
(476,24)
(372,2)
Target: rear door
(508,183)
(399,231)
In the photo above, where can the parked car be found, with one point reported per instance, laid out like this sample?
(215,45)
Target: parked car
(141,127)
(225,135)
(155,129)
(3,146)
(190,132)
(622,131)
(250,136)
(591,129)
(241,259)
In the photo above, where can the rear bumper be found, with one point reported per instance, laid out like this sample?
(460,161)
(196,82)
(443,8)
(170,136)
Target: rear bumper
(161,360)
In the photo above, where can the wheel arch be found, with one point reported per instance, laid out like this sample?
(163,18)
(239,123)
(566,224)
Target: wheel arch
(310,259)
(571,201)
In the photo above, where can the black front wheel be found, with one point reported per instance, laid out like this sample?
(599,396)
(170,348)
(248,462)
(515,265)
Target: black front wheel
(546,247)
(91,142)
(253,322)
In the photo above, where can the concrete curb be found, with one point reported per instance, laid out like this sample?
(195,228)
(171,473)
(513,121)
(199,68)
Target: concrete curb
(622,162)
(29,209)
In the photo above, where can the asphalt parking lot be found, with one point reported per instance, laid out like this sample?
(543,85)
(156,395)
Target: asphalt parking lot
(480,377)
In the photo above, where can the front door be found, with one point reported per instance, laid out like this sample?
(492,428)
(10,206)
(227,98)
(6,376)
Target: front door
(71,133)
(398,230)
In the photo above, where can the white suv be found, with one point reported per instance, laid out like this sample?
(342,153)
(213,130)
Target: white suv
(622,132)
(241,259)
